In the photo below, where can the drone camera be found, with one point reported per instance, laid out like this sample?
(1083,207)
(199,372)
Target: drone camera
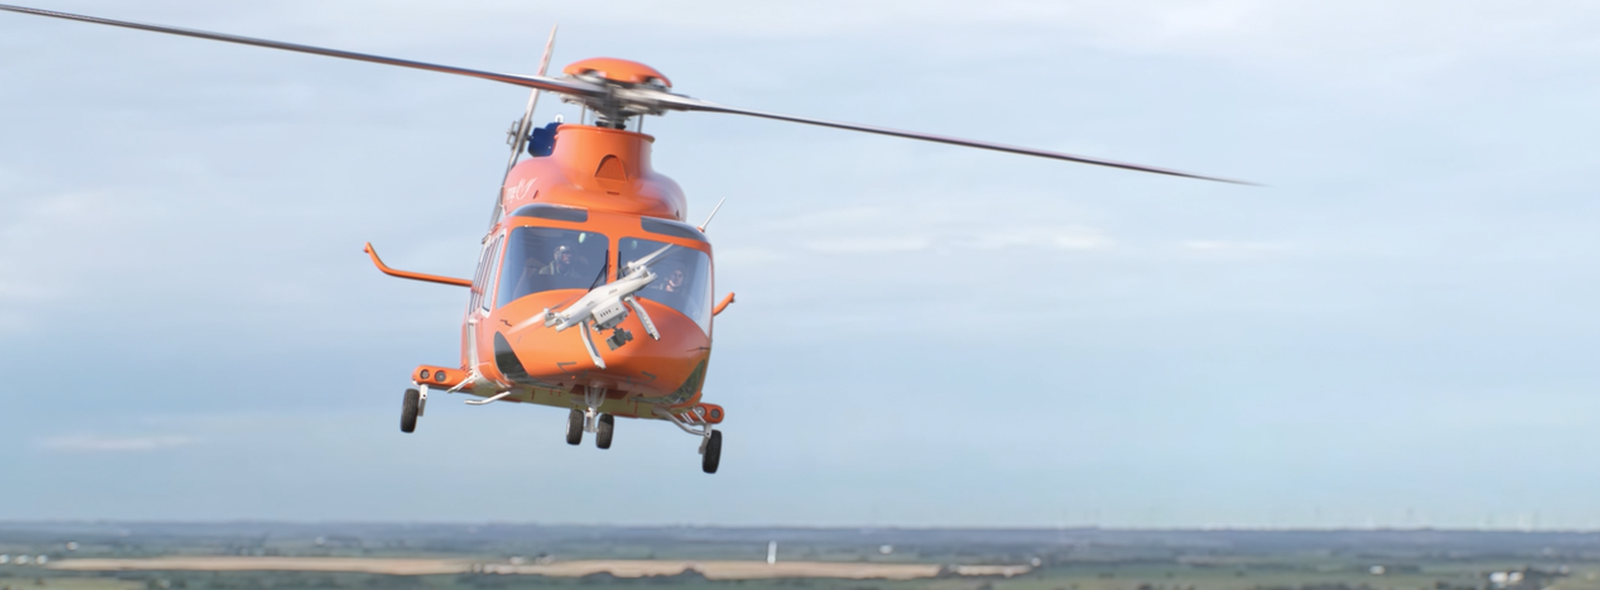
(618,338)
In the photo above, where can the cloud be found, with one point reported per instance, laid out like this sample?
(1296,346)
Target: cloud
(751,257)
(1064,238)
(869,245)
(31,273)
(1229,247)
(94,443)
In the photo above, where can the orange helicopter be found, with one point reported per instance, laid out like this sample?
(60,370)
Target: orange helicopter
(587,242)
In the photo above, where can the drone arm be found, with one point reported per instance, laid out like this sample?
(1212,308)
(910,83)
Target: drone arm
(415,276)
(644,263)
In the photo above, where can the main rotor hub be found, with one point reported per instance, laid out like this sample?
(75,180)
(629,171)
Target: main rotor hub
(620,71)
(625,82)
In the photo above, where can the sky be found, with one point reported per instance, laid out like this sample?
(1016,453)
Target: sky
(1397,330)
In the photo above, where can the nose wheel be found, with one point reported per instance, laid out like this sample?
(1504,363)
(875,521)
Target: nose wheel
(605,426)
(603,431)
(590,419)
(575,427)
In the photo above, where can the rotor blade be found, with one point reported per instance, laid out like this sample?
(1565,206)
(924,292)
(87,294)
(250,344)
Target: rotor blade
(680,102)
(549,46)
(539,82)
(521,138)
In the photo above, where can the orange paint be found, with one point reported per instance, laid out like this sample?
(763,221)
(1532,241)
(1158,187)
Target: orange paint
(569,176)
(416,276)
(439,377)
(616,70)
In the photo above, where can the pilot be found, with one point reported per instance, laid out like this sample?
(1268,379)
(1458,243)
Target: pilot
(674,282)
(562,261)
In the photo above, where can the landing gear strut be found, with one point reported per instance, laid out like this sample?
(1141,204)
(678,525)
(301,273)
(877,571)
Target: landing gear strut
(590,419)
(710,438)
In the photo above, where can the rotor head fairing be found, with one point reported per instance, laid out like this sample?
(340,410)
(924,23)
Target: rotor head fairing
(619,71)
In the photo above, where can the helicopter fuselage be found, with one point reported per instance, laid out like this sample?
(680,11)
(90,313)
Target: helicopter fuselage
(597,196)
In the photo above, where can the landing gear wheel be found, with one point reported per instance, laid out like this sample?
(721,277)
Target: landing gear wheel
(575,427)
(408,410)
(603,430)
(713,453)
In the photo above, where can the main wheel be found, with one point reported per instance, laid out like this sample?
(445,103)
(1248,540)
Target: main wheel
(575,427)
(713,454)
(603,430)
(408,410)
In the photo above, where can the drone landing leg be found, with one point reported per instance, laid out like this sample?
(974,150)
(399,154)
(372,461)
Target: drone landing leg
(644,318)
(588,344)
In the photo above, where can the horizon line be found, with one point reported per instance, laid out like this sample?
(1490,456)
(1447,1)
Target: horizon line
(839,527)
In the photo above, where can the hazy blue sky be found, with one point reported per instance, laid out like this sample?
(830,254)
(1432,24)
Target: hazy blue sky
(1401,330)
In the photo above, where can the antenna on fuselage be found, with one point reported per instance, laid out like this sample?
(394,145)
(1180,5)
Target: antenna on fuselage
(713,215)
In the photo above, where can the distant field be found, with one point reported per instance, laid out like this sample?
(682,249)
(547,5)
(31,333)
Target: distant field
(322,556)
(70,584)
(394,567)
(620,568)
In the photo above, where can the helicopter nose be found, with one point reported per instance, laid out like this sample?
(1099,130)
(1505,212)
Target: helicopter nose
(527,352)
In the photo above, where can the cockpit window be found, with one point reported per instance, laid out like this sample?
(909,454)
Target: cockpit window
(539,259)
(683,278)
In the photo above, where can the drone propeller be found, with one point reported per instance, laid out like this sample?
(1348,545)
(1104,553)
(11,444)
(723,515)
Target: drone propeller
(613,101)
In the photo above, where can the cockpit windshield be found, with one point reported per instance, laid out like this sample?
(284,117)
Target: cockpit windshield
(540,259)
(683,278)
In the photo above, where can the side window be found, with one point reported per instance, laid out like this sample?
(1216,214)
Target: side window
(477,277)
(490,272)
